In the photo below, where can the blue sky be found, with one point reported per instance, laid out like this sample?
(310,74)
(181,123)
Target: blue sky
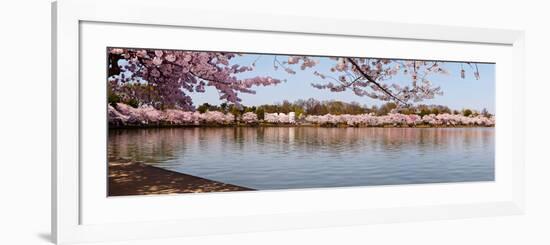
(458,93)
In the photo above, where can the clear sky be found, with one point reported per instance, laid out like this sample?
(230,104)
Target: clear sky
(458,93)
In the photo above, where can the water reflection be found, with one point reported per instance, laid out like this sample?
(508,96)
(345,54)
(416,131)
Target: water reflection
(290,157)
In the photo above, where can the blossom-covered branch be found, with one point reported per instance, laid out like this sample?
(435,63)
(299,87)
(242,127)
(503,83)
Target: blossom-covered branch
(167,78)
(370,77)
(164,78)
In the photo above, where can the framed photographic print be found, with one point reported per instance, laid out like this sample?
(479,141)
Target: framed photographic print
(161,130)
(265,129)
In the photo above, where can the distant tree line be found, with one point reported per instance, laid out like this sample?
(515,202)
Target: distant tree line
(315,107)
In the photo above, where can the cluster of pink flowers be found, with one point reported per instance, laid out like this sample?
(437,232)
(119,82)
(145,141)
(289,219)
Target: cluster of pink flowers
(181,73)
(167,78)
(401,119)
(373,78)
(366,119)
(125,115)
(451,119)
(250,117)
(276,118)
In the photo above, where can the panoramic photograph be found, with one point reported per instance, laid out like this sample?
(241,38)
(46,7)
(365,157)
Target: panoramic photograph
(187,121)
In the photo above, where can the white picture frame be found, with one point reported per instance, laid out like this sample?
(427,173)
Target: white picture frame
(69,197)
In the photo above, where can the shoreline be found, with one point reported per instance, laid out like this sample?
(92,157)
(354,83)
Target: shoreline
(131,178)
(286,126)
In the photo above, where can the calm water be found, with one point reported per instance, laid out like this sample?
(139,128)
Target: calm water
(281,158)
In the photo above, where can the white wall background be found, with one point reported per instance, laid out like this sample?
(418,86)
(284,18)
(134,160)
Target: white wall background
(25,125)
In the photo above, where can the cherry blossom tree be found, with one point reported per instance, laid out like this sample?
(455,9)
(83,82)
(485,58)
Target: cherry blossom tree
(371,77)
(250,118)
(164,78)
(125,115)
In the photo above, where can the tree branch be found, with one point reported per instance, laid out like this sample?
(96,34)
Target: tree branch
(114,69)
(351,83)
(373,81)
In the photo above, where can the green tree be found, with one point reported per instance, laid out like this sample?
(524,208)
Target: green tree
(486,113)
(466,112)
(203,108)
(386,108)
(260,112)
(223,107)
(235,110)
(113,99)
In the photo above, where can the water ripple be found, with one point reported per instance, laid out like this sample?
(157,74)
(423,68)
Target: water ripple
(281,158)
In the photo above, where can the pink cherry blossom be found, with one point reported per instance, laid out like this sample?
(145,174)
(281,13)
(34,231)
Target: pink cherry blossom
(250,118)
(125,115)
(167,77)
